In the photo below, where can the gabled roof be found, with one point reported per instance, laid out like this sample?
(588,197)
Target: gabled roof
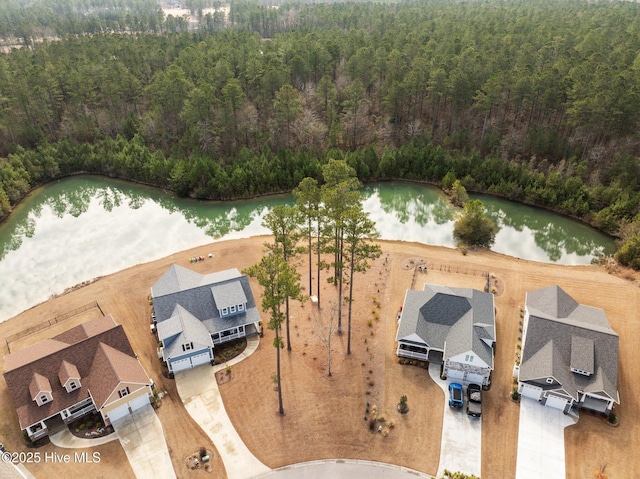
(21,366)
(182,328)
(178,278)
(455,320)
(228,294)
(199,295)
(39,384)
(560,334)
(67,371)
(109,369)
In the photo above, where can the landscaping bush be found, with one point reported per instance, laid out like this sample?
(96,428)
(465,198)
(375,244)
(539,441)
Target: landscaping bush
(403,408)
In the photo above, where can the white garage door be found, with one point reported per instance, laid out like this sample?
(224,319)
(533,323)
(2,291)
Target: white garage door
(556,402)
(180,365)
(200,359)
(119,412)
(475,378)
(139,402)
(532,392)
(455,374)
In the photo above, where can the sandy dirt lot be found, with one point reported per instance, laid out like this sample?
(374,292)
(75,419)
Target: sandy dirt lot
(325,416)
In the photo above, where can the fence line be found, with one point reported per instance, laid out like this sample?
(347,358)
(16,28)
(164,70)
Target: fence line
(453,269)
(51,322)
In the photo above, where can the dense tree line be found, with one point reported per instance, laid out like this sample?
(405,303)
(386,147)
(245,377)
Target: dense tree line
(535,101)
(28,22)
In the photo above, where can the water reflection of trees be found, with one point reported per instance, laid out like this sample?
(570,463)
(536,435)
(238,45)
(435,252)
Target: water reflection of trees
(421,204)
(405,203)
(74,196)
(556,238)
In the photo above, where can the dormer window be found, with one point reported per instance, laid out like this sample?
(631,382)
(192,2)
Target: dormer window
(232,309)
(187,346)
(241,307)
(69,376)
(225,311)
(40,389)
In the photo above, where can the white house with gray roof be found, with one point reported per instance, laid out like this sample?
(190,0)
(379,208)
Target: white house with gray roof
(454,327)
(569,353)
(194,312)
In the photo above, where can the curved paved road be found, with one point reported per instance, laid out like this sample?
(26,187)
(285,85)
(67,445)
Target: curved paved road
(342,469)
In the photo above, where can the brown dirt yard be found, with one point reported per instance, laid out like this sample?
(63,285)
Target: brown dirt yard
(325,416)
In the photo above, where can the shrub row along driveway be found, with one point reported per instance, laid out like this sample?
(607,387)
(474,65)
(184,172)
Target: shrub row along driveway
(461,446)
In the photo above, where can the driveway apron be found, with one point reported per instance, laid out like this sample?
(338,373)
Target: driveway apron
(461,446)
(142,439)
(199,392)
(541,441)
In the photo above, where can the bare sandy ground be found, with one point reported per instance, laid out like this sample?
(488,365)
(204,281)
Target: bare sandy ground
(325,415)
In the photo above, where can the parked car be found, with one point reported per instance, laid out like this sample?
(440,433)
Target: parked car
(455,395)
(474,400)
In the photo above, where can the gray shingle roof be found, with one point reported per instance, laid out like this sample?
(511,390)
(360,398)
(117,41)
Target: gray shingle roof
(182,327)
(195,295)
(228,294)
(580,337)
(178,278)
(582,353)
(455,320)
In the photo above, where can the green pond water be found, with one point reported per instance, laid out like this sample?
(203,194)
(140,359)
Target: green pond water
(76,229)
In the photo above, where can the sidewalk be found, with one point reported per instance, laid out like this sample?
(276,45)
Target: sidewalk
(67,440)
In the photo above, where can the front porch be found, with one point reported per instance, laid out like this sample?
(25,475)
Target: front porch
(243,331)
(74,412)
(596,404)
(412,352)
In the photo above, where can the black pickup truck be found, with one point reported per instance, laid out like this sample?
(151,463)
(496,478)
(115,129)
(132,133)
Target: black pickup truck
(474,400)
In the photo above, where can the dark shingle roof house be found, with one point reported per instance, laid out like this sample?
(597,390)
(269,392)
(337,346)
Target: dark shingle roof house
(569,353)
(450,326)
(195,311)
(89,367)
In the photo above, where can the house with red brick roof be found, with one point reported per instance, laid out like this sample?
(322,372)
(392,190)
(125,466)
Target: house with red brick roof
(91,367)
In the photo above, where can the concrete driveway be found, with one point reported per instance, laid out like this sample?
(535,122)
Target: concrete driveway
(199,392)
(142,438)
(541,441)
(461,446)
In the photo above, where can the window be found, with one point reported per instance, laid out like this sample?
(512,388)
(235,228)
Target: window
(187,346)
(72,385)
(549,380)
(241,307)
(468,358)
(43,399)
(225,311)
(233,309)
(123,392)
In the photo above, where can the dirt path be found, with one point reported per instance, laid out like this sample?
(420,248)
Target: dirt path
(325,415)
